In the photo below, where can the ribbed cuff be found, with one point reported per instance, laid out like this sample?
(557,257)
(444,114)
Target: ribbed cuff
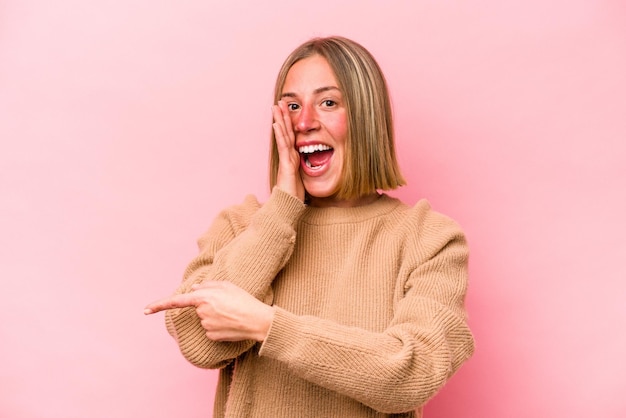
(284,206)
(280,337)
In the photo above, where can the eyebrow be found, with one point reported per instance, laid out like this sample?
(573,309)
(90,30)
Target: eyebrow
(316,91)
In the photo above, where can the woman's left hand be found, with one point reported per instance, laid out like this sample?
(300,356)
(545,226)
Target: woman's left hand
(226,312)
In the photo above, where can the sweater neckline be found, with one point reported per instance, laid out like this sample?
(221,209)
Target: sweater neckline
(333,215)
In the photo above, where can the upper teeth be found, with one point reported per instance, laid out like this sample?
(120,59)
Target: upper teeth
(309,149)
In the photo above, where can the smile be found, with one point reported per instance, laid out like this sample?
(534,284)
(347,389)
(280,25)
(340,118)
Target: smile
(315,156)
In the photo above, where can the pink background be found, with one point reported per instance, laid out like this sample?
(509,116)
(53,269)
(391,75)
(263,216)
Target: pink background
(125,126)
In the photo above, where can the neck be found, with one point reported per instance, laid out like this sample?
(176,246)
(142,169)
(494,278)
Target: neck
(332,201)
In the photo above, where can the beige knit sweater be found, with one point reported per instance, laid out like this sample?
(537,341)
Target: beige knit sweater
(369,321)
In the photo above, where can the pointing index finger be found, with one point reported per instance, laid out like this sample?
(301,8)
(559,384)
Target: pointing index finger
(176,301)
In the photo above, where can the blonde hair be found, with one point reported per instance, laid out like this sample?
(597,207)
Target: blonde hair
(370,160)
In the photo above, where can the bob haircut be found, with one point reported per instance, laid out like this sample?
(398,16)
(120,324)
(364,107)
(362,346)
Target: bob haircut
(370,160)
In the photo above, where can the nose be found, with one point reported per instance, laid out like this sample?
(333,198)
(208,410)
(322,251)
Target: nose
(306,119)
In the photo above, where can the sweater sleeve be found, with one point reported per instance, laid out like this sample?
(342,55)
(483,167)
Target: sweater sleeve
(246,245)
(399,369)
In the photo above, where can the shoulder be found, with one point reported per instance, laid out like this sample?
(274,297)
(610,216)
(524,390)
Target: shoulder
(426,230)
(428,219)
(422,217)
(280,211)
(242,212)
(232,220)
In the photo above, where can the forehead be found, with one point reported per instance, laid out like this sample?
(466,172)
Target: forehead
(309,74)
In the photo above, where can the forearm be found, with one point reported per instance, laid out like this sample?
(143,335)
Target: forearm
(251,259)
(392,372)
(185,327)
(256,255)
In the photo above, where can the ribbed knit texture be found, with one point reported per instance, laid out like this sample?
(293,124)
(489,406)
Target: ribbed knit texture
(369,319)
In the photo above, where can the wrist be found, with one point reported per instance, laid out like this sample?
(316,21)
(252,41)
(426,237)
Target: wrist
(265,323)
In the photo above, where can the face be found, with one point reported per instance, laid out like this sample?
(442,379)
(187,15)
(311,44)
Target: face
(319,119)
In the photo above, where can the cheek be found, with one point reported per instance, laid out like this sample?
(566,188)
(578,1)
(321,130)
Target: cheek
(340,129)
(293,119)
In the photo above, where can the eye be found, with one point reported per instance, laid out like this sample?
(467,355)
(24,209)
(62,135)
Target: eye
(329,103)
(293,106)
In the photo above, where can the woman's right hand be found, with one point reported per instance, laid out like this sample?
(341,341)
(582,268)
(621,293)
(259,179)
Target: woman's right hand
(288,178)
(226,312)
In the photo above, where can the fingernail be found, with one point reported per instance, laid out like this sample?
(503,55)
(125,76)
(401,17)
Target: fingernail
(147,311)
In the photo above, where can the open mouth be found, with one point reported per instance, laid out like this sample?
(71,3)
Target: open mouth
(315,156)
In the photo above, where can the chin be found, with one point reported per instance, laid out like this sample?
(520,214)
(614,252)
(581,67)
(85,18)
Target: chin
(320,192)
(321,187)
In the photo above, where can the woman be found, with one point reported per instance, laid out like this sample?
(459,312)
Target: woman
(331,299)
